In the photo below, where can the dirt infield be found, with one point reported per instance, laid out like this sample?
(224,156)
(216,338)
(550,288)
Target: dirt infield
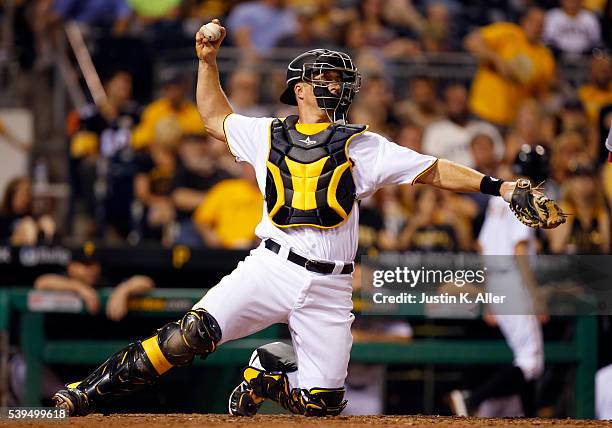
(200,421)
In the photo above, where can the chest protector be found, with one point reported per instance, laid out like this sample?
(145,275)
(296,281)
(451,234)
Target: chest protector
(309,177)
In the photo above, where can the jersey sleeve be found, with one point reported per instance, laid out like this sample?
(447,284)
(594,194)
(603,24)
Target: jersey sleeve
(380,162)
(248,138)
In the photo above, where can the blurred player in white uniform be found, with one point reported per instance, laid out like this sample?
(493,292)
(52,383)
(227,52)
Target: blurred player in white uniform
(502,234)
(312,168)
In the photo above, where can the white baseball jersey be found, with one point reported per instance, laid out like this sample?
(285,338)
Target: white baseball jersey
(502,231)
(378,162)
(266,288)
(572,34)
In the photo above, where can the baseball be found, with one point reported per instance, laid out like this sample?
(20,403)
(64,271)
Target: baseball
(211,31)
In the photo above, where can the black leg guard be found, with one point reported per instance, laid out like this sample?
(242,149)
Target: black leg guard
(140,364)
(126,371)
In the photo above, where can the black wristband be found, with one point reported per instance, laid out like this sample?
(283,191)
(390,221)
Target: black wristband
(490,185)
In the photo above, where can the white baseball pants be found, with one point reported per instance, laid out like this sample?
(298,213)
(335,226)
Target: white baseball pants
(265,289)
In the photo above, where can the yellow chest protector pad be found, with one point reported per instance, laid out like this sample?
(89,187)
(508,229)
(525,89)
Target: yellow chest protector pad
(309,177)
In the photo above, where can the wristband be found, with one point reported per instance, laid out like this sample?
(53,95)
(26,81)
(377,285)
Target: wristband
(490,185)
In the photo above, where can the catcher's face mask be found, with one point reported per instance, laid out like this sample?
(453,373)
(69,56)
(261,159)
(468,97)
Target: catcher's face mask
(334,88)
(334,79)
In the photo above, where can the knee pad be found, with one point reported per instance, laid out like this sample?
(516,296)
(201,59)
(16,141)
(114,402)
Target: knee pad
(197,333)
(277,357)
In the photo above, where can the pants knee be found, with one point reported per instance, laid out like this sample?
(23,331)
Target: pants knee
(197,333)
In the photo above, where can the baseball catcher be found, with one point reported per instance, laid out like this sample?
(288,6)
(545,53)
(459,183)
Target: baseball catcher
(312,169)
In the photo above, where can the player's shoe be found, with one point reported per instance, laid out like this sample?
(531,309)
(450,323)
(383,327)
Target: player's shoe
(243,401)
(74,401)
(458,401)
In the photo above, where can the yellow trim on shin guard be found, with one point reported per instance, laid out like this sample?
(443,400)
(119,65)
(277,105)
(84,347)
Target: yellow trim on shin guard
(155,355)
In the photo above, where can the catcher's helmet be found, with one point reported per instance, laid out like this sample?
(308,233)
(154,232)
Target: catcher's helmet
(310,67)
(532,162)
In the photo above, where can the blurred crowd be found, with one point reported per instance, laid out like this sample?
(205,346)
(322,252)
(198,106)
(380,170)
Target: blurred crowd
(142,169)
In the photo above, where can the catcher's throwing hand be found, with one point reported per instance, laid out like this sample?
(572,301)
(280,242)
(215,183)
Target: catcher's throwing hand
(207,50)
(533,208)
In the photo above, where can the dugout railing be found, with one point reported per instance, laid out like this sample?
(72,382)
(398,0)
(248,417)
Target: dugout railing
(30,306)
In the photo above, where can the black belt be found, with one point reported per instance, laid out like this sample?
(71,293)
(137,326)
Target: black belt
(311,265)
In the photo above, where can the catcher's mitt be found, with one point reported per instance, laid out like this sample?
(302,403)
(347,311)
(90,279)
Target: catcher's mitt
(534,209)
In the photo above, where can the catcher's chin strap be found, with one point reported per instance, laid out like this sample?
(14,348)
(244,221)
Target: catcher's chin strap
(313,402)
(140,364)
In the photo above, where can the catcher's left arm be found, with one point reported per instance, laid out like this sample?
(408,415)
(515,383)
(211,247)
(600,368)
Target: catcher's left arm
(529,205)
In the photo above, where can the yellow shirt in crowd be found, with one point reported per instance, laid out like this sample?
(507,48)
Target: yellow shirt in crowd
(232,209)
(496,99)
(594,98)
(187,117)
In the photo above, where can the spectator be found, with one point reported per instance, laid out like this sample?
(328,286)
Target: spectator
(82,277)
(568,148)
(153,182)
(200,167)
(373,233)
(102,163)
(526,129)
(244,93)
(422,107)
(598,91)
(375,32)
(487,161)
(375,118)
(305,37)
(377,97)
(513,65)
(257,26)
(371,31)
(482,148)
(103,13)
(410,136)
(228,215)
(174,104)
(18,223)
(572,118)
(441,223)
(571,29)
(436,36)
(450,138)
(587,231)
